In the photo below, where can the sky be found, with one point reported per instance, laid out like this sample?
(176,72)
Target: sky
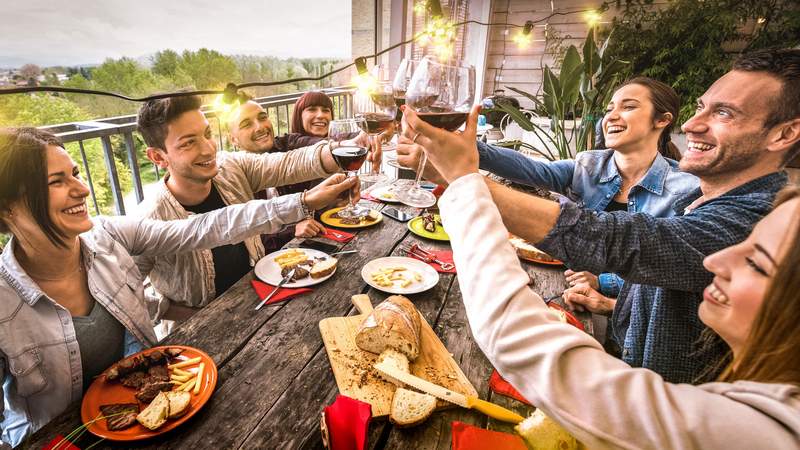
(87,32)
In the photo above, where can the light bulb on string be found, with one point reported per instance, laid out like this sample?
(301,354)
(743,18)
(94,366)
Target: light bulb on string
(592,18)
(524,37)
(364,81)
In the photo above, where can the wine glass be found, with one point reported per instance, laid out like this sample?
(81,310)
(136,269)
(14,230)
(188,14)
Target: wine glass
(379,116)
(442,95)
(349,155)
(399,86)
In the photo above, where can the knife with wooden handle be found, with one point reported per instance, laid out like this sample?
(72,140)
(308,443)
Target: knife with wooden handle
(469,402)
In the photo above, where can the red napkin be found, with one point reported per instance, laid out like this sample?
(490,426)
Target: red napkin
(468,437)
(441,255)
(368,196)
(338,236)
(59,443)
(438,190)
(263,290)
(571,319)
(347,421)
(501,386)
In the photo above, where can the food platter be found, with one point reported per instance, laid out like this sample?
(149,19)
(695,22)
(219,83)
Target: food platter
(403,275)
(269,271)
(416,226)
(104,392)
(329,218)
(385,194)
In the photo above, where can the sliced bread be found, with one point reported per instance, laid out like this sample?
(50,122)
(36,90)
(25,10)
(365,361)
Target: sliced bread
(394,324)
(542,433)
(323,268)
(179,402)
(411,408)
(156,412)
(395,359)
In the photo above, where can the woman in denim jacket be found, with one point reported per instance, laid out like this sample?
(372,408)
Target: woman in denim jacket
(638,173)
(71,293)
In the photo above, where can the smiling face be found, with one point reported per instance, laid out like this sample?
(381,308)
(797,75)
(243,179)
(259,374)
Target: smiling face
(251,129)
(726,134)
(743,273)
(66,194)
(316,120)
(191,153)
(628,124)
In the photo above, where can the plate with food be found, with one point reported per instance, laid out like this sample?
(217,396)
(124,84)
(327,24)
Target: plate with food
(399,275)
(429,226)
(330,217)
(527,251)
(311,267)
(385,194)
(149,393)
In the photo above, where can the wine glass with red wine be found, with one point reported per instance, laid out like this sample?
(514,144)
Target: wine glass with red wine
(379,117)
(349,154)
(442,95)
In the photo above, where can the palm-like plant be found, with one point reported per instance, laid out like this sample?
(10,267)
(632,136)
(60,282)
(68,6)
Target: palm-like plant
(582,88)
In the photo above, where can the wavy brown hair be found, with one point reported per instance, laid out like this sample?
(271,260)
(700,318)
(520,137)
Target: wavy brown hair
(770,351)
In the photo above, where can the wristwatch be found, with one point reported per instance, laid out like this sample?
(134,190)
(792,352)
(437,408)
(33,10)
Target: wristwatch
(308,212)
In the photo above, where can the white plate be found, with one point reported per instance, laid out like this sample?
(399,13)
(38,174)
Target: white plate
(268,271)
(429,275)
(380,192)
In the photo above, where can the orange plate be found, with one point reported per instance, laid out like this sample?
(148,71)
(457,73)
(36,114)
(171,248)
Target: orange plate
(541,261)
(103,392)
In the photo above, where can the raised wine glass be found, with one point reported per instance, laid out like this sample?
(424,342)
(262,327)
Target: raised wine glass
(349,154)
(399,86)
(442,95)
(379,117)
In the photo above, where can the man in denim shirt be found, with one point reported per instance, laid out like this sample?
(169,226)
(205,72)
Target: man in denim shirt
(747,126)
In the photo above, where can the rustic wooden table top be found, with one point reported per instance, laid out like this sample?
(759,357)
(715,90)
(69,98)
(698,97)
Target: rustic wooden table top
(274,375)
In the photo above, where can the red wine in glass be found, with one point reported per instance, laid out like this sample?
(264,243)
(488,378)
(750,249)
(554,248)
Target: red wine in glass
(348,158)
(449,120)
(377,122)
(420,102)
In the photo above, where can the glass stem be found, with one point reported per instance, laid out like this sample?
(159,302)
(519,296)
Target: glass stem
(350,191)
(421,168)
(376,168)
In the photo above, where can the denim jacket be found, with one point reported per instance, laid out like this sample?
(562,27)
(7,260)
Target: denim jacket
(592,180)
(39,354)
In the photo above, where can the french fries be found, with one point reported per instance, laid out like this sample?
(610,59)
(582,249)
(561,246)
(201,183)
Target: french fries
(185,380)
(387,277)
(182,373)
(188,385)
(198,378)
(291,258)
(188,362)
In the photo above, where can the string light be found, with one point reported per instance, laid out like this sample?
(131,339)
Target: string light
(525,36)
(440,33)
(592,17)
(364,81)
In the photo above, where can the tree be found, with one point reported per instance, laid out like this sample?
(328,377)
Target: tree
(209,69)
(165,63)
(29,71)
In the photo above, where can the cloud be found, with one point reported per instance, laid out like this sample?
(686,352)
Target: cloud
(88,32)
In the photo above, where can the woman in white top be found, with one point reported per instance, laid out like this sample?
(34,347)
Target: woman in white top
(71,293)
(753,304)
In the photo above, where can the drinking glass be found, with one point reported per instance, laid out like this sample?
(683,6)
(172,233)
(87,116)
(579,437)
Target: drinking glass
(379,117)
(349,155)
(442,95)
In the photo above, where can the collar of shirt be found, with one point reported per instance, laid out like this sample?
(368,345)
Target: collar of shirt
(653,180)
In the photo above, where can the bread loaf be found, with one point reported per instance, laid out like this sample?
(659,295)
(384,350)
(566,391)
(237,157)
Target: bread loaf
(393,324)
(323,268)
(542,433)
(397,360)
(156,413)
(411,408)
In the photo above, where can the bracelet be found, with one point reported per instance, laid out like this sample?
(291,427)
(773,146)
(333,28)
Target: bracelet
(308,212)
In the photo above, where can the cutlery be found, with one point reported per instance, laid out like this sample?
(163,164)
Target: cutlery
(469,402)
(344,252)
(426,256)
(281,283)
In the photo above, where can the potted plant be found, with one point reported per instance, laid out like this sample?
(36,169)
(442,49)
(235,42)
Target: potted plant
(573,100)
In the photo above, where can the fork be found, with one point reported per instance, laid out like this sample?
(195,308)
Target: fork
(426,256)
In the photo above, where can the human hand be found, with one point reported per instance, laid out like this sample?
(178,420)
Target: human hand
(582,297)
(308,228)
(329,190)
(409,155)
(454,155)
(575,278)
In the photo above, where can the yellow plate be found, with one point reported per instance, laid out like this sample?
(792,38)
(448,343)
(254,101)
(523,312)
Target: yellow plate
(415,225)
(336,222)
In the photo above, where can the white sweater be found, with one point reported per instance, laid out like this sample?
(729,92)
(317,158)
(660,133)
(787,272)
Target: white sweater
(601,400)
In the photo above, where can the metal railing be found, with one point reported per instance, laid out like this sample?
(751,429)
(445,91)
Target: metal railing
(279,107)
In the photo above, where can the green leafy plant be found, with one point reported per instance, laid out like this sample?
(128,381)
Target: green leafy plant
(582,88)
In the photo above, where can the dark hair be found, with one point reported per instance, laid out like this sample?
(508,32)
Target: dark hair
(155,115)
(23,176)
(783,64)
(664,100)
(310,98)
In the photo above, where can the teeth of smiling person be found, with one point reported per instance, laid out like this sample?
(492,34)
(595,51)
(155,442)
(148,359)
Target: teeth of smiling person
(615,129)
(717,295)
(76,209)
(699,146)
(206,164)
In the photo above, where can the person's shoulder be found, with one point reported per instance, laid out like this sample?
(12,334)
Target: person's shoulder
(592,157)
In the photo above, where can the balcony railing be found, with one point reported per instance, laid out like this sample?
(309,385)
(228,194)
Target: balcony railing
(279,108)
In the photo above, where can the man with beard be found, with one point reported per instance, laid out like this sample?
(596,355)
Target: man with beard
(251,130)
(746,128)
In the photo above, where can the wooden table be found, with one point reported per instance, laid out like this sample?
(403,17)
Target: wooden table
(274,375)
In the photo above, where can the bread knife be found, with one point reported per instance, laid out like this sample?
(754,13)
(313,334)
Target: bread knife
(465,401)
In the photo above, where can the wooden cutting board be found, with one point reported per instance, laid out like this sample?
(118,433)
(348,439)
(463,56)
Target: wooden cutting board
(355,376)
